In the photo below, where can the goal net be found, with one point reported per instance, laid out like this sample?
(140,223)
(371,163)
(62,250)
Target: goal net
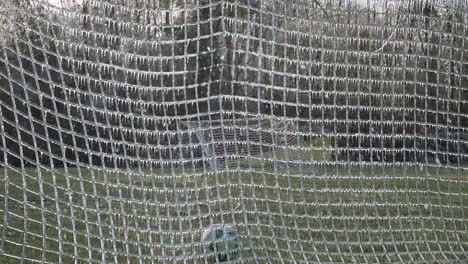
(184,131)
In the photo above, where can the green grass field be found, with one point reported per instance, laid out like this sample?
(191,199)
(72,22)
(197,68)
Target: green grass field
(326,213)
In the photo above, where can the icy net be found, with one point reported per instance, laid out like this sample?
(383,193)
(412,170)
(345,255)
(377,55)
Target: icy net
(311,131)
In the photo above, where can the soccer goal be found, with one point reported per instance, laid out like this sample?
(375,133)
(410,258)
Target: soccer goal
(242,144)
(233,131)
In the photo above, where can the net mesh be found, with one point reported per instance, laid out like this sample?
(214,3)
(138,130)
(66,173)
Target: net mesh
(321,131)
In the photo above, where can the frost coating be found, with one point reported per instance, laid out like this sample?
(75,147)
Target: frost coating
(323,131)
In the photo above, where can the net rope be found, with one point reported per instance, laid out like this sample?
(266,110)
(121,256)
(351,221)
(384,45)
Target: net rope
(321,131)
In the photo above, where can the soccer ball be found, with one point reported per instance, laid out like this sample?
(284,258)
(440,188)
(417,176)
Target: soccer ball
(221,243)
